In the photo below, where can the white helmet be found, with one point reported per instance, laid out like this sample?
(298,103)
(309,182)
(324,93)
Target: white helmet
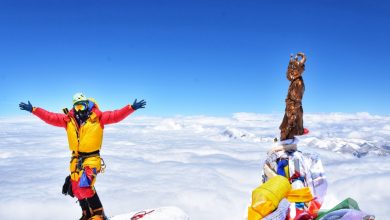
(79,97)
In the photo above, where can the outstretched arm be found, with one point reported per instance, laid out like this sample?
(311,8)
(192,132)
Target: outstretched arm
(51,118)
(110,117)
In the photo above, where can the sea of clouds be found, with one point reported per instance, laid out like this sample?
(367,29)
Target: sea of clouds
(206,166)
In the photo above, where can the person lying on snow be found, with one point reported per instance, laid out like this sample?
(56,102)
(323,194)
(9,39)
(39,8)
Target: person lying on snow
(84,125)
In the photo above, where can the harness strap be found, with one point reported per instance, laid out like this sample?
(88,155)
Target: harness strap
(81,156)
(77,127)
(87,154)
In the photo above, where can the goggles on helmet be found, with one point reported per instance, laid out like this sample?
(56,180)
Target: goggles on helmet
(80,106)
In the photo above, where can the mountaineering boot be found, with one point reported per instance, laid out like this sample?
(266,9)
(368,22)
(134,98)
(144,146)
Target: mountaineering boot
(97,217)
(86,212)
(84,216)
(98,214)
(96,207)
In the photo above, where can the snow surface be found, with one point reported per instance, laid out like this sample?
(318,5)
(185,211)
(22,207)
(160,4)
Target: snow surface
(206,166)
(163,213)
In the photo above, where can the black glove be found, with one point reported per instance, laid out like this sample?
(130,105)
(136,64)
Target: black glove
(136,105)
(67,187)
(26,107)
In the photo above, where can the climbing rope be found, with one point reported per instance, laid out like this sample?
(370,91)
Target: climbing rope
(140,214)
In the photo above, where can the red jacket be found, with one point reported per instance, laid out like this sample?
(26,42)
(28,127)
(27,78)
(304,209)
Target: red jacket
(89,136)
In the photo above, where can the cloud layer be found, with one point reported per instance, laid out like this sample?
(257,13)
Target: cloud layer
(206,166)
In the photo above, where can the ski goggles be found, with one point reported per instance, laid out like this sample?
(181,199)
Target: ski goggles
(80,106)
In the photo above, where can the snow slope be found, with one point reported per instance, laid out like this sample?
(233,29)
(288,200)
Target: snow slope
(206,166)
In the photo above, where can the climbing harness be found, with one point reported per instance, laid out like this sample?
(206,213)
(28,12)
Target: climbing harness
(82,156)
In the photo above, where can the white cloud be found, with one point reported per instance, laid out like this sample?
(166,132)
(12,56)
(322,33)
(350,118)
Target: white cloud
(200,164)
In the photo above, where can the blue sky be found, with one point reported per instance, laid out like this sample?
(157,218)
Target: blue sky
(194,57)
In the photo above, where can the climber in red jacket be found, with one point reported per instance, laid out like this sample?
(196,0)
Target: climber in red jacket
(84,125)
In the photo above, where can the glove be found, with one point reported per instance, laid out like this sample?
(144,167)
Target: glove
(136,105)
(26,107)
(67,187)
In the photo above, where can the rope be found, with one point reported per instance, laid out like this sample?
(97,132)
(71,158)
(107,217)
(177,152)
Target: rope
(140,214)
